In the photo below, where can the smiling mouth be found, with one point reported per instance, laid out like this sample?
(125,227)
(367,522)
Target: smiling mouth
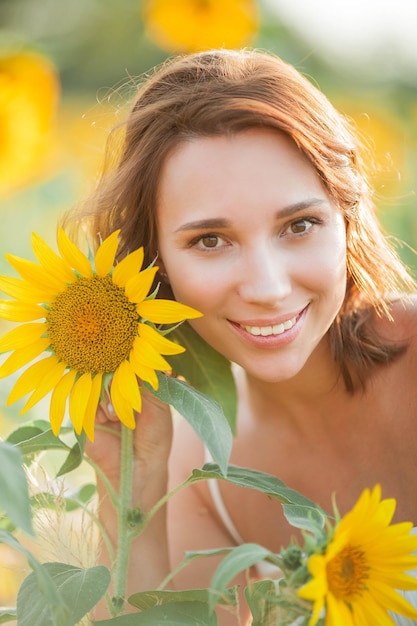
(267,331)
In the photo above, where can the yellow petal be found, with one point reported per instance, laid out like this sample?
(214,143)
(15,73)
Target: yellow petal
(52,262)
(125,378)
(73,255)
(146,354)
(49,381)
(137,287)
(79,399)
(20,312)
(22,290)
(392,600)
(91,410)
(158,341)
(145,373)
(338,612)
(105,255)
(23,356)
(166,311)
(122,407)
(30,378)
(59,400)
(35,274)
(128,267)
(21,336)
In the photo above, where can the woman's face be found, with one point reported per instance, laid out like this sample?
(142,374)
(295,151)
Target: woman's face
(248,235)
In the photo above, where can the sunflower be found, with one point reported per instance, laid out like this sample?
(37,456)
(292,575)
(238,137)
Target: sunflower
(356,578)
(29,91)
(95,320)
(192,25)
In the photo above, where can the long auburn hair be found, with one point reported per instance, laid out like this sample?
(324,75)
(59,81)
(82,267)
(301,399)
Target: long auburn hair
(225,92)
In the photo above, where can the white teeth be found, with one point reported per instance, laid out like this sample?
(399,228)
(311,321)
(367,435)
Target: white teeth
(266,331)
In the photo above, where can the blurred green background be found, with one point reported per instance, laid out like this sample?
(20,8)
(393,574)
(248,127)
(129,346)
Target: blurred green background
(64,64)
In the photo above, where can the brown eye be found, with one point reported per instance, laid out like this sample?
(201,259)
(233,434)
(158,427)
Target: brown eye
(301,226)
(210,241)
(298,227)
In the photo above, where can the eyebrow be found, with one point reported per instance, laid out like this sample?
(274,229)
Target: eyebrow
(220,222)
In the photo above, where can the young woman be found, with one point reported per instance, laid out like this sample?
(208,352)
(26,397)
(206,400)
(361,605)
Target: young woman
(251,190)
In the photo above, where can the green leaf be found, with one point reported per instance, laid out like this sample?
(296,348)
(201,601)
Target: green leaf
(7,615)
(14,493)
(303,517)
(148,599)
(48,500)
(272,602)
(170,614)
(32,439)
(79,589)
(258,596)
(203,413)
(238,560)
(74,458)
(265,483)
(205,369)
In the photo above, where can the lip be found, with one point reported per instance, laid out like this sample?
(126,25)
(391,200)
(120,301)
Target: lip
(271,341)
(269,321)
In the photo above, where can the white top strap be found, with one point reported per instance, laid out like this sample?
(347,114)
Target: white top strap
(220,506)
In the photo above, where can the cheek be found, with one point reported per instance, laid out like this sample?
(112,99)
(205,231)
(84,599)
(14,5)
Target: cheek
(327,267)
(196,288)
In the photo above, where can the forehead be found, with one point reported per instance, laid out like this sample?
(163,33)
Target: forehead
(247,169)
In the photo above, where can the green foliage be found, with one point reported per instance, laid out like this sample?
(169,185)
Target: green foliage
(206,370)
(14,494)
(148,599)
(305,512)
(169,614)
(78,590)
(34,438)
(60,594)
(38,437)
(238,560)
(7,615)
(77,499)
(204,414)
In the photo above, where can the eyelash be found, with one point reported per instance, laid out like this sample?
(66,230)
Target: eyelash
(312,221)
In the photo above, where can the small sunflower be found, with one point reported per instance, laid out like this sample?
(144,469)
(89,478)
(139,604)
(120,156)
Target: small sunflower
(193,25)
(29,91)
(356,578)
(96,320)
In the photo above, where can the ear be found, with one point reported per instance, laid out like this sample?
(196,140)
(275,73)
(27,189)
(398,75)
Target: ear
(161,271)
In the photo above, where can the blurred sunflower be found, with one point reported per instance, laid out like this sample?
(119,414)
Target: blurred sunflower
(356,578)
(98,321)
(192,25)
(29,89)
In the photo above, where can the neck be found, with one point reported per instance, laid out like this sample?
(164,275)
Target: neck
(314,388)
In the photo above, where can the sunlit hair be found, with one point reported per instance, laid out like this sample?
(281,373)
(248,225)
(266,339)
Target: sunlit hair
(226,92)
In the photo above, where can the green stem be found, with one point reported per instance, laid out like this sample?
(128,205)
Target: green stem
(125,534)
(149,515)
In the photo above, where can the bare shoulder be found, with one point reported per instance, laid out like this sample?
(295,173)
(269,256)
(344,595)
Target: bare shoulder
(402,326)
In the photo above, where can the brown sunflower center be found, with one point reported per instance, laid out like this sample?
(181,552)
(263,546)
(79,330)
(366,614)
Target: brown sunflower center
(92,325)
(347,573)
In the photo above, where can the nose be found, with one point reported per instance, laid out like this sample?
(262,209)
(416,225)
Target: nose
(265,277)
